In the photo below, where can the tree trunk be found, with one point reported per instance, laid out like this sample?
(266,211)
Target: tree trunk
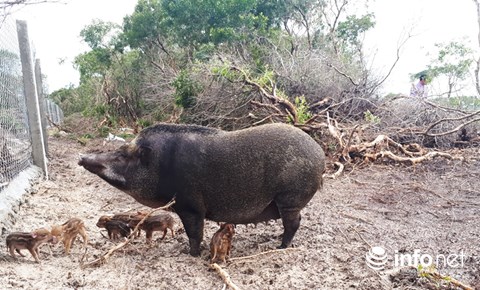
(477,68)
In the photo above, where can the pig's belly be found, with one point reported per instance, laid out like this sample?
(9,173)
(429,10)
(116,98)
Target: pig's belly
(244,217)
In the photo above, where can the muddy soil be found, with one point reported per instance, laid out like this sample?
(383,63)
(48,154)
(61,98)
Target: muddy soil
(431,209)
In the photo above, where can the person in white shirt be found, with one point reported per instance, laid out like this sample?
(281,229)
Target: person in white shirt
(420,89)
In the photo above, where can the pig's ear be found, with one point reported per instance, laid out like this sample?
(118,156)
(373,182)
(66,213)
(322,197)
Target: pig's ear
(144,153)
(34,235)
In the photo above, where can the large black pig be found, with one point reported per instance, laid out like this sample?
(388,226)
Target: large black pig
(247,176)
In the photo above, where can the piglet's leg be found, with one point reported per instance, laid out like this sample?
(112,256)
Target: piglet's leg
(164,233)
(34,254)
(18,251)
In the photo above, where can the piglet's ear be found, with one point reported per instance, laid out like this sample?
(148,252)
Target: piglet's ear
(145,154)
(34,235)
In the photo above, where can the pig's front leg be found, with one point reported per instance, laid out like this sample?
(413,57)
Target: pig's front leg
(193,223)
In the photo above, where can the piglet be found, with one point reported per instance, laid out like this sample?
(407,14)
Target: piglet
(17,241)
(132,218)
(68,231)
(116,229)
(221,243)
(161,222)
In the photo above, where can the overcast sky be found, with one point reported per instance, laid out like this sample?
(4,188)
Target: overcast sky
(55,28)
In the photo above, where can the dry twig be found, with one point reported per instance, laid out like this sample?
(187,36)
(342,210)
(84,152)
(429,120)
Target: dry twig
(261,254)
(338,172)
(224,275)
(434,275)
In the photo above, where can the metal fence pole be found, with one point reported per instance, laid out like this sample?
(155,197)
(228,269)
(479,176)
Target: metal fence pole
(33,107)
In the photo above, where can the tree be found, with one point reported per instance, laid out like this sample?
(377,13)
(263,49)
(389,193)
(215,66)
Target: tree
(453,62)
(477,62)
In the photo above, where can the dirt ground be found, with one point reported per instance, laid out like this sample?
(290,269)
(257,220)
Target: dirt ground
(432,207)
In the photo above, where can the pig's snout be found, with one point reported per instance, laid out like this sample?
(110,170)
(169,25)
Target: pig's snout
(90,163)
(83,159)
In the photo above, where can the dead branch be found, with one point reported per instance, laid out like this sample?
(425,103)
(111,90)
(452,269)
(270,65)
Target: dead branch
(453,130)
(333,130)
(345,154)
(224,275)
(284,103)
(383,138)
(132,236)
(338,172)
(434,275)
(411,160)
(231,260)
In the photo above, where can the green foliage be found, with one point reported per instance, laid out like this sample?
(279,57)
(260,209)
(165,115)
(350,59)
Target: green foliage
(371,118)
(453,59)
(186,90)
(350,29)
(470,103)
(94,63)
(129,71)
(144,123)
(226,72)
(453,62)
(99,34)
(103,131)
(302,109)
(193,23)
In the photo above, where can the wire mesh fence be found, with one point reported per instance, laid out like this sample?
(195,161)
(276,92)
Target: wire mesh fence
(15,143)
(54,113)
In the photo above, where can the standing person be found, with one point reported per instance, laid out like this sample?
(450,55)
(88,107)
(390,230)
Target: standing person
(420,89)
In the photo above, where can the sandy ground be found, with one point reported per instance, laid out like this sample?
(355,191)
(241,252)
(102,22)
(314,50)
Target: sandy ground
(432,208)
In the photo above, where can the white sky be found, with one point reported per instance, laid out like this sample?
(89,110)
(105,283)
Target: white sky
(55,28)
(431,21)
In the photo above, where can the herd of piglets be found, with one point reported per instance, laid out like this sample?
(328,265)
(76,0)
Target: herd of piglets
(118,226)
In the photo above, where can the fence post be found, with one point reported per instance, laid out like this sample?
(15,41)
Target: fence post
(41,102)
(33,107)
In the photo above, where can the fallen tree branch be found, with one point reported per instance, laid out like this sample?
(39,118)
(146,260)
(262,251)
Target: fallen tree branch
(434,275)
(453,130)
(132,236)
(451,119)
(412,160)
(383,138)
(224,275)
(338,172)
(333,130)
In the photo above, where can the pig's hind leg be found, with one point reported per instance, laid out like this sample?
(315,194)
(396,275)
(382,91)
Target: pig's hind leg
(290,214)
(291,222)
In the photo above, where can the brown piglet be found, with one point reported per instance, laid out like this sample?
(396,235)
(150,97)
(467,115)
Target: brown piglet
(221,243)
(116,229)
(30,241)
(161,222)
(68,231)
